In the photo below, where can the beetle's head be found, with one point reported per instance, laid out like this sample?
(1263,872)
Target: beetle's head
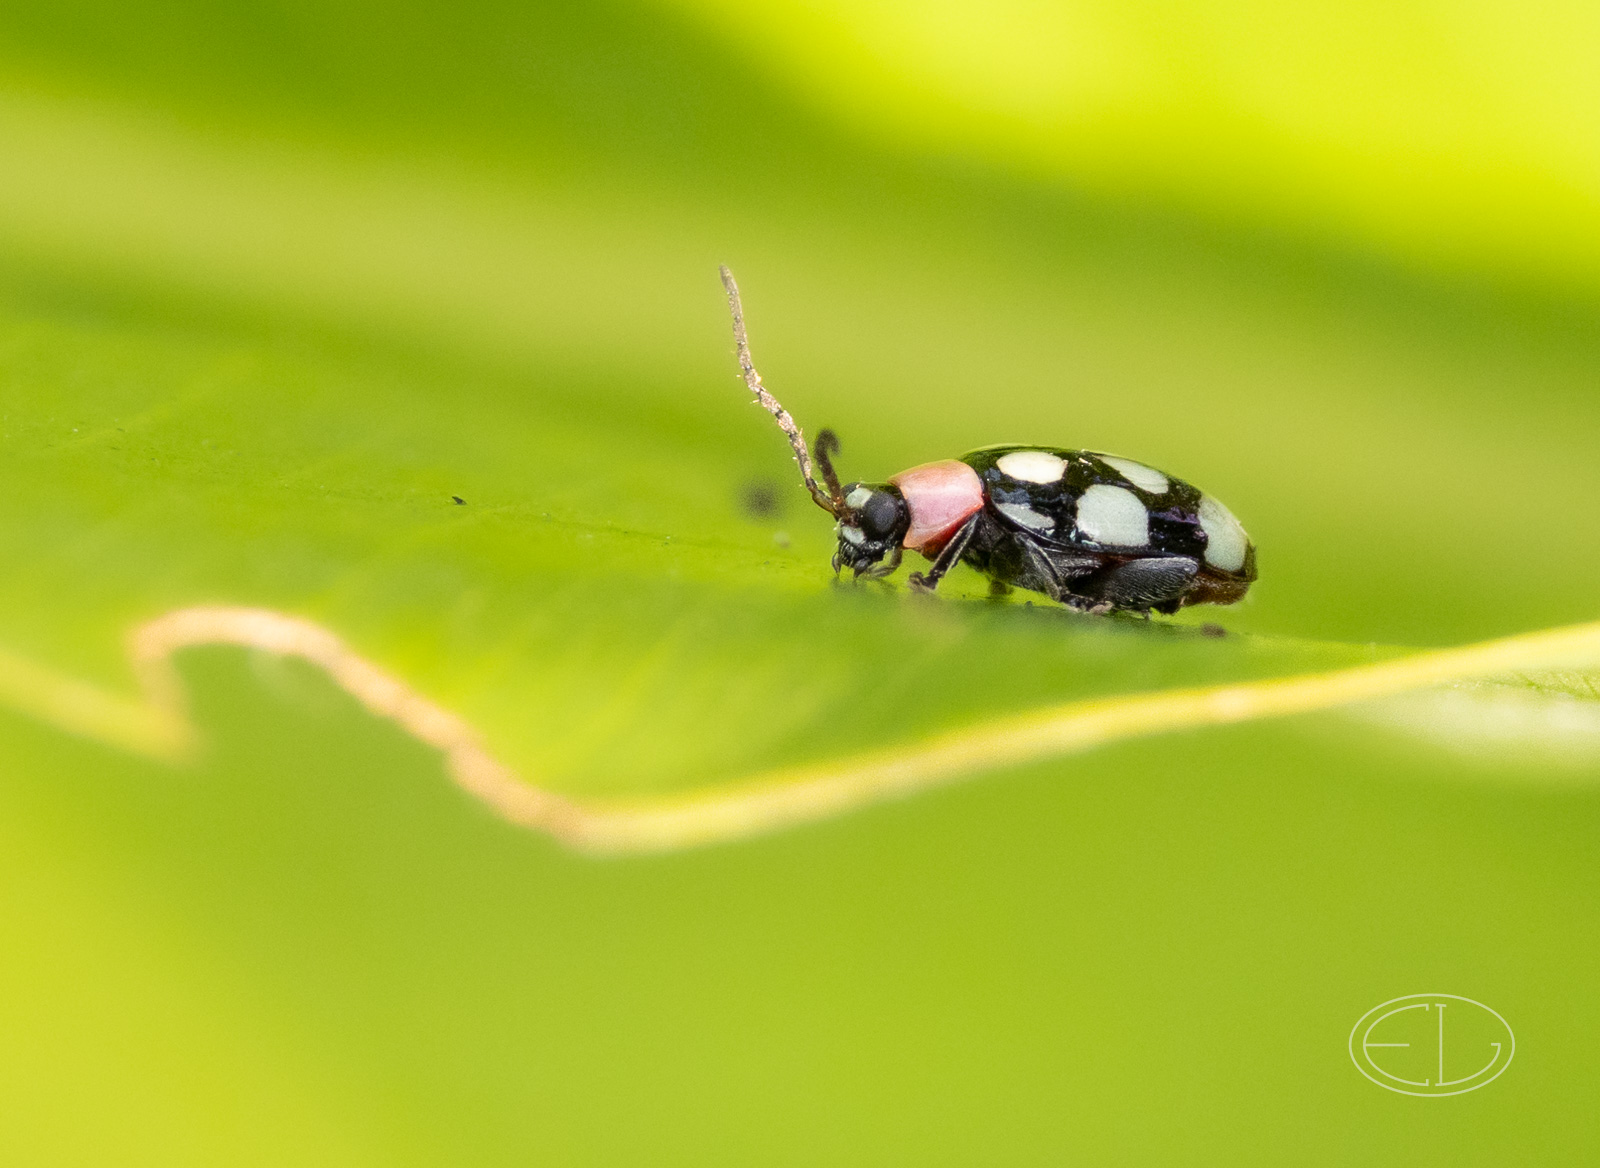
(873,517)
(872,523)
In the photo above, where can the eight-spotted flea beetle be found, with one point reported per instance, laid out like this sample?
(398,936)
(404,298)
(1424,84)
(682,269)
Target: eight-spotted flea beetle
(1096,532)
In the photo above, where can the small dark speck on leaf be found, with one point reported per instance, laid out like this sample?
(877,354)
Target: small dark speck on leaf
(1211,630)
(458,500)
(760,499)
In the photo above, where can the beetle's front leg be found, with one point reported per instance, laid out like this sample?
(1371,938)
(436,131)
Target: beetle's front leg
(947,558)
(879,571)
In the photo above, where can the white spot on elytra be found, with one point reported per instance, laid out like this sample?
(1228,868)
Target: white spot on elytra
(1226,541)
(1032,466)
(1113,516)
(1144,477)
(1026,516)
(857,498)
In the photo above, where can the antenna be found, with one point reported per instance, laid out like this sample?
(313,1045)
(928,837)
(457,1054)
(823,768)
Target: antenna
(823,450)
(832,503)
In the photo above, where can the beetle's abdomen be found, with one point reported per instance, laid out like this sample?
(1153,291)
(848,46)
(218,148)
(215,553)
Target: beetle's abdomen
(1081,500)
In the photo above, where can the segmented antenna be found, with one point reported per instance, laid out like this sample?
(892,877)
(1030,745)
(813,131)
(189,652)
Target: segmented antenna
(823,450)
(833,504)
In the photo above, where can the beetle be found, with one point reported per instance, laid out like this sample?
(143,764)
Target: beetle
(1097,532)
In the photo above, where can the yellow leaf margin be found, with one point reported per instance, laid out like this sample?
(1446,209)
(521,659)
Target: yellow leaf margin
(157,725)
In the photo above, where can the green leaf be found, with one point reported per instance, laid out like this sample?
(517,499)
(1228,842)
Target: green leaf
(278,287)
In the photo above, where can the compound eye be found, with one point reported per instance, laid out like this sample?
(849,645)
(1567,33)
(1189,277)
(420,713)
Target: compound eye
(880,515)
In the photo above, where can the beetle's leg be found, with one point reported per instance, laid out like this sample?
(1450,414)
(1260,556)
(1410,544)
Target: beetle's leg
(1142,584)
(1053,575)
(879,571)
(948,555)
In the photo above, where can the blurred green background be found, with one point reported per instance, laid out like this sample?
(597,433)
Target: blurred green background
(276,282)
